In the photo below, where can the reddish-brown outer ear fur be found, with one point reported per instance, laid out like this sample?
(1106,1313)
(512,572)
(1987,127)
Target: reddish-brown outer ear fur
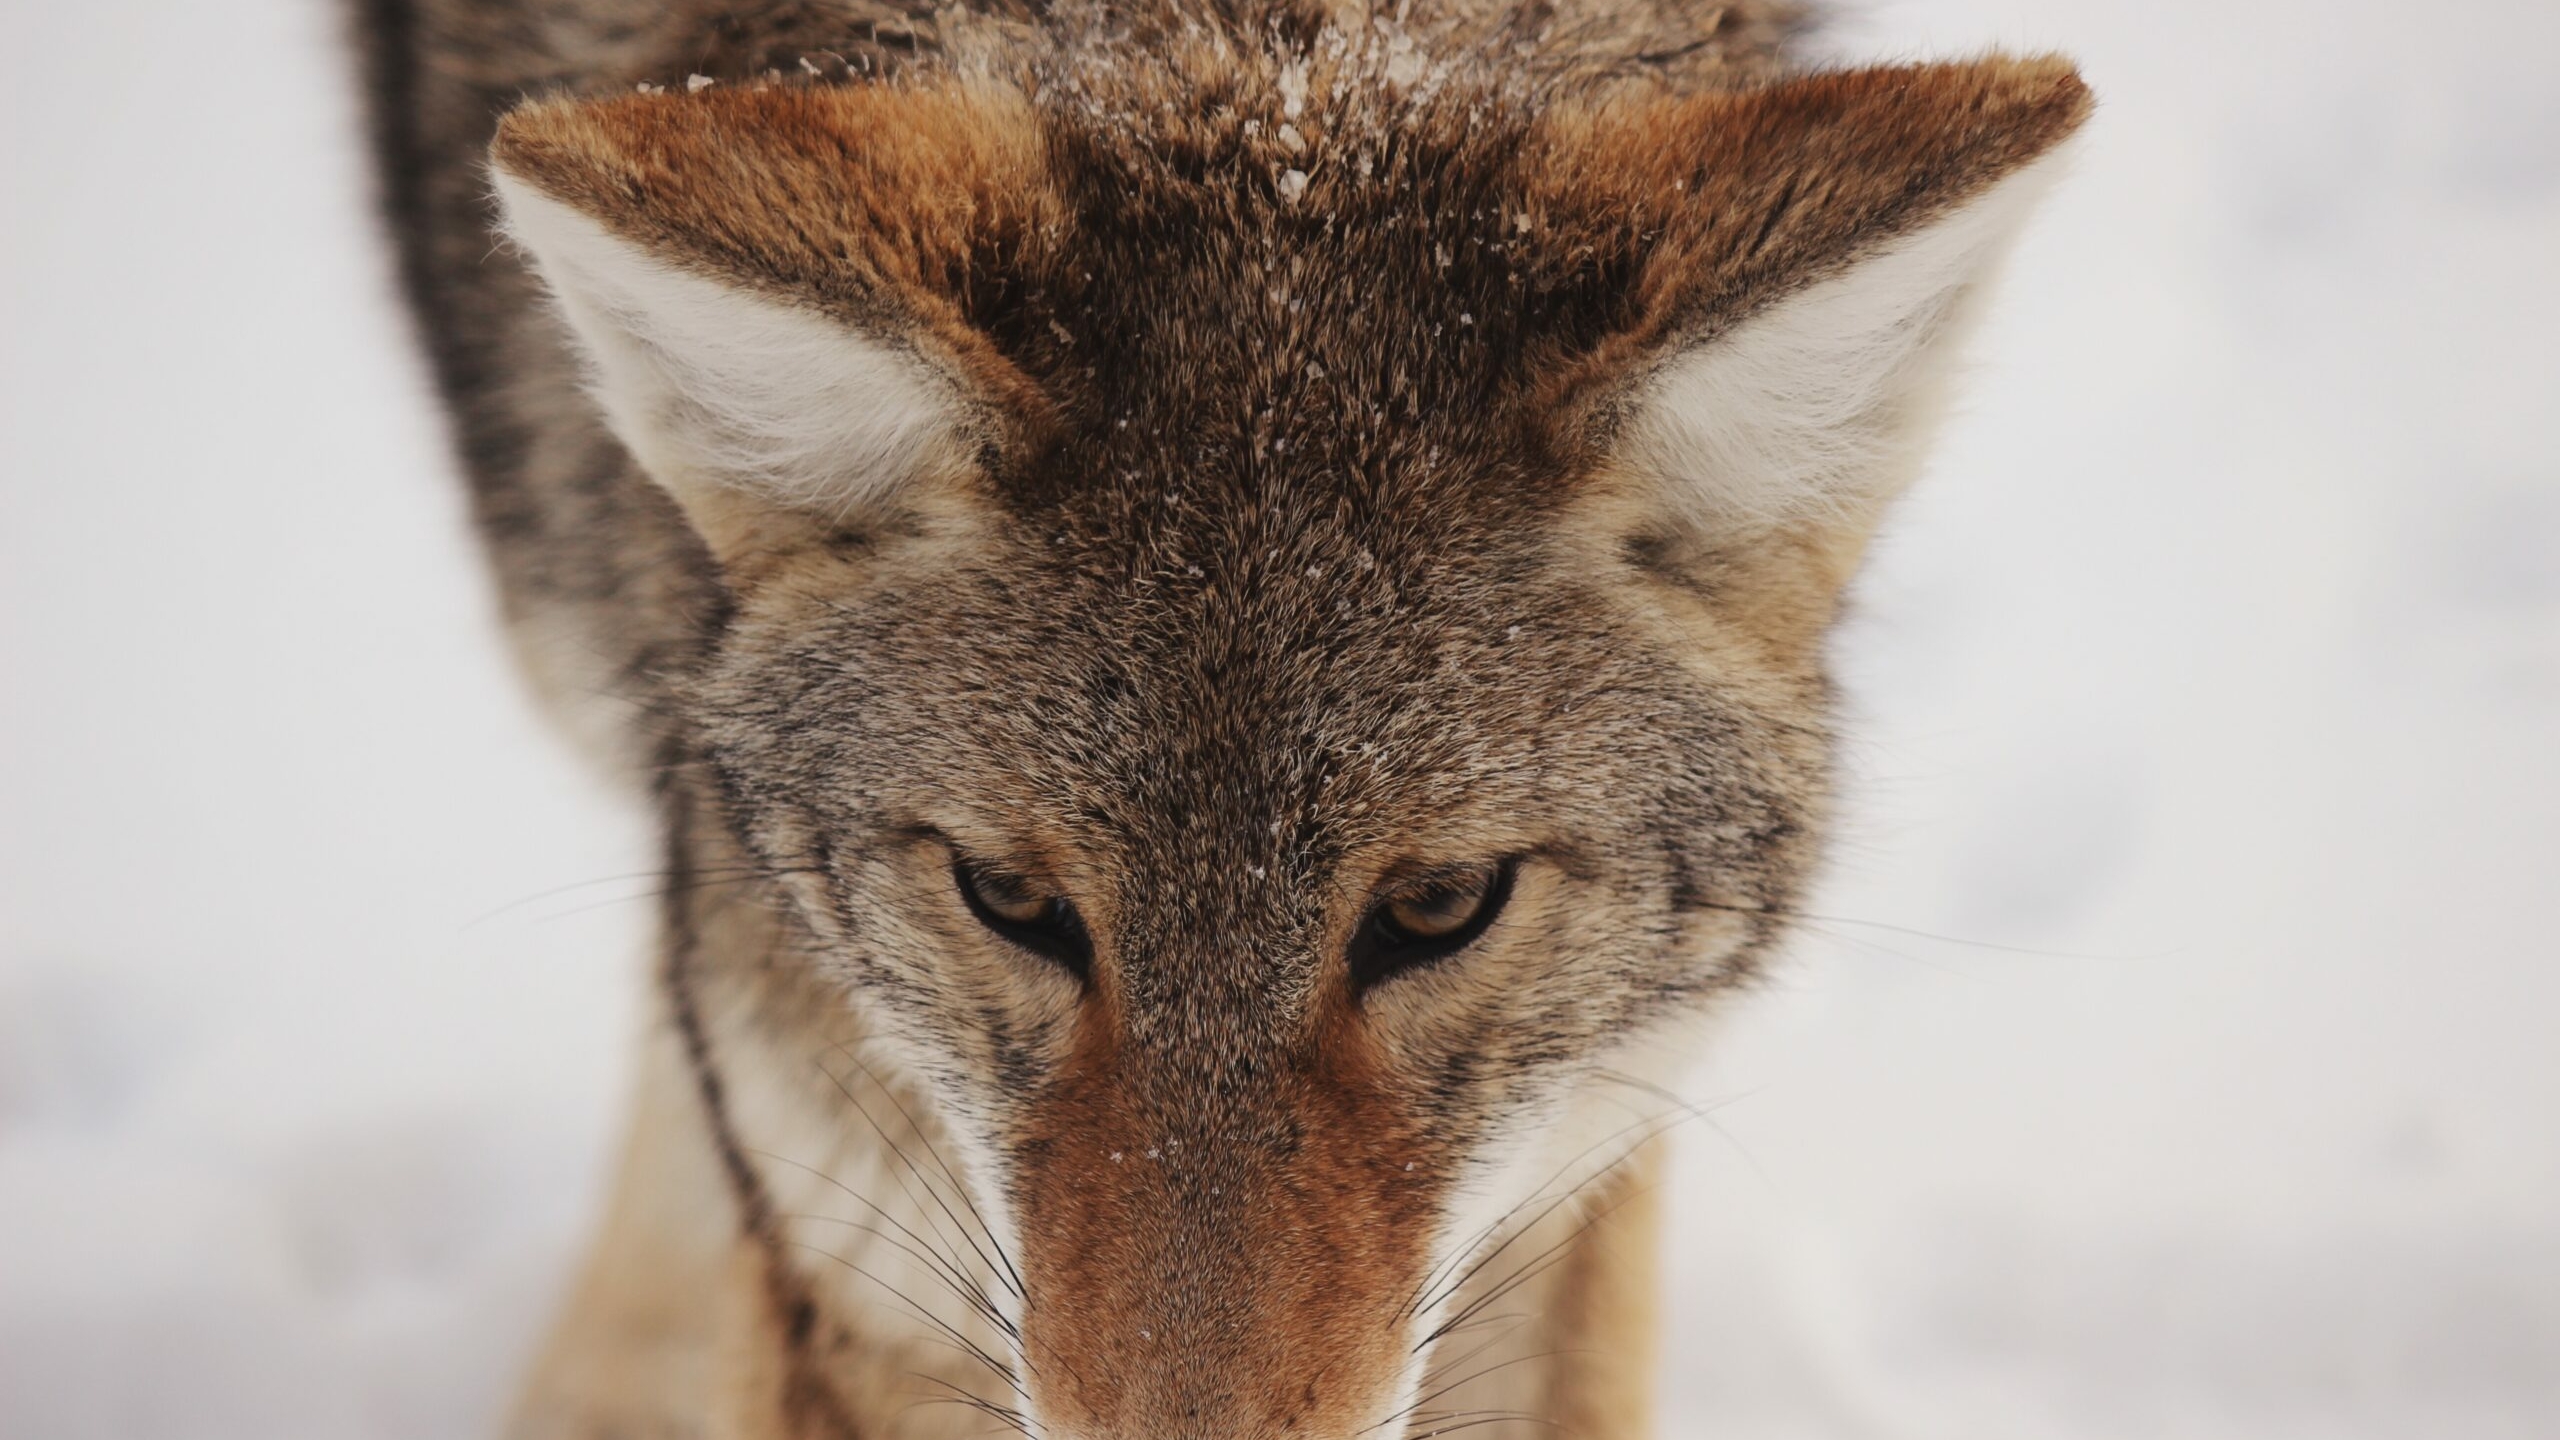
(1740,198)
(882,203)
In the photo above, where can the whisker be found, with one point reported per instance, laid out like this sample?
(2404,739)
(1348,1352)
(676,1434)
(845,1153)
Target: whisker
(1486,1420)
(1515,1316)
(975,1300)
(1441,1366)
(659,875)
(692,884)
(966,1345)
(1703,1116)
(1807,917)
(1019,1427)
(909,1161)
(1493,1369)
(1445,1364)
(1442,1291)
(1458,1256)
(1012,1277)
(958,1396)
(947,1267)
(1539,1264)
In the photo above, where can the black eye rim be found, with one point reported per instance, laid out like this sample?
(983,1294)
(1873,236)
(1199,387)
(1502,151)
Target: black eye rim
(1380,951)
(1058,937)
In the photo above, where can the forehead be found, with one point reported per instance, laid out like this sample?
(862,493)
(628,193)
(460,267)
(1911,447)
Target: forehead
(1390,275)
(1212,682)
(1293,547)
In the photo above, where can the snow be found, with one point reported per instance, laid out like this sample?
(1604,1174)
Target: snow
(2208,693)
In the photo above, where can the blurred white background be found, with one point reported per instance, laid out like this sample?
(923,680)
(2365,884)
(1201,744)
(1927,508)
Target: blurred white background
(2182,1063)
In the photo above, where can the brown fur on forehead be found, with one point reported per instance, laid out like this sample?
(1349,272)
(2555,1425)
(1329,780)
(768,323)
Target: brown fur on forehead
(1321,242)
(1455,246)
(1309,256)
(1229,760)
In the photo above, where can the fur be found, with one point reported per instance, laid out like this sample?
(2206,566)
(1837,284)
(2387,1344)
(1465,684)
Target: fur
(713,389)
(1221,464)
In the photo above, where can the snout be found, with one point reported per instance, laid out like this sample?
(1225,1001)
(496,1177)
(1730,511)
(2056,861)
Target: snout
(1245,1279)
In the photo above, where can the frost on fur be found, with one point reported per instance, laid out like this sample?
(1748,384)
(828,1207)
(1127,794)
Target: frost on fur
(809,295)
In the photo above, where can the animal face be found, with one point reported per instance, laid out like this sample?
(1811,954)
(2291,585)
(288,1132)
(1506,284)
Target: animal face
(1276,609)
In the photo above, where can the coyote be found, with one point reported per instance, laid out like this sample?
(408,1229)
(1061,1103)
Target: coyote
(1223,605)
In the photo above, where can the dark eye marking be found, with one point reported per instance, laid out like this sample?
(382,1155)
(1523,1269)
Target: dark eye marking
(1428,921)
(1021,911)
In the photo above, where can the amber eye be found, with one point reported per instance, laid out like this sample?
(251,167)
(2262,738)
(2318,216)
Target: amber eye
(1435,917)
(1037,919)
(1436,913)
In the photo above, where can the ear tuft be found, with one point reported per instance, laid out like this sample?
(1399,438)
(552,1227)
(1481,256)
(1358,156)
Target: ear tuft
(766,281)
(717,389)
(1815,246)
(1818,405)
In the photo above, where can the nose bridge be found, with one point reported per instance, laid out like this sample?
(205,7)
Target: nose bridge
(1218,1245)
(1214,960)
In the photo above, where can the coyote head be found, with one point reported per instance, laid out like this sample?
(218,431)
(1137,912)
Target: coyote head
(1277,599)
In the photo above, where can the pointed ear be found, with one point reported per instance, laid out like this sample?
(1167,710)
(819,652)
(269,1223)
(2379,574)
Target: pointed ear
(766,284)
(1818,244)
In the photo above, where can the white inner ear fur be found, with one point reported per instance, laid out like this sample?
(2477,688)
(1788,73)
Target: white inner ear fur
(713,387)
(1821,405)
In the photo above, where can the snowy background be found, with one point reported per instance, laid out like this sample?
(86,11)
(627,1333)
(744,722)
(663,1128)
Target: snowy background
(2185,1061)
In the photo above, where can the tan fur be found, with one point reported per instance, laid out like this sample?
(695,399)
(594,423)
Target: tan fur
(637,1340)
(1607,1308)
(1282,542)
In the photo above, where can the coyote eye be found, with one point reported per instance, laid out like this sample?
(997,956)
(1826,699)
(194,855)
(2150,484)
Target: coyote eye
(1438,917)
(1040,921)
